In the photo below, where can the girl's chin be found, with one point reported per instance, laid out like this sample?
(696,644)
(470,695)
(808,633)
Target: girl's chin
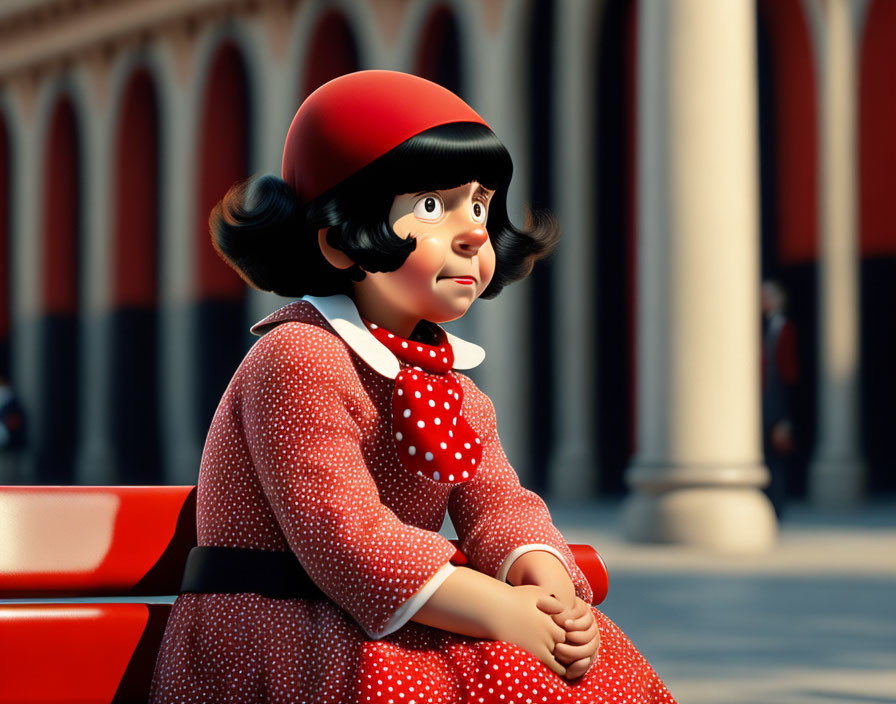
(446,315)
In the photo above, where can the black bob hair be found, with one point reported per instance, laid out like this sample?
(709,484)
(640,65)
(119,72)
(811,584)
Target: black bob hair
(261,229)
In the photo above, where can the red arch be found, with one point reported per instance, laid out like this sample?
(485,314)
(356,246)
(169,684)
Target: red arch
(223,160)
(5,264)
(877,136)
(796,132)
(332,53)
(61,212)
(136,196)
(438,55)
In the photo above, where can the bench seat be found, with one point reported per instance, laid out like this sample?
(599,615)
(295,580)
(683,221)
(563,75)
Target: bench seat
(87,577)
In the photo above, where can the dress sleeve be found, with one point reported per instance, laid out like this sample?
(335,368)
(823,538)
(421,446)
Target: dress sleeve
(300,407)
(496,519)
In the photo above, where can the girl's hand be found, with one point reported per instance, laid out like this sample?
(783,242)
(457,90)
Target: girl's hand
(579,650)
(544,570)
(527,620)
(473,604)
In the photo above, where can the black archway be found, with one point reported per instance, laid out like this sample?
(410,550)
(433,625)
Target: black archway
(134,420)
(540,65)
(877,154)
(56,438)
(439,52)
(333,51)
(788,163)
(5,251)
(614,232)
(223,161)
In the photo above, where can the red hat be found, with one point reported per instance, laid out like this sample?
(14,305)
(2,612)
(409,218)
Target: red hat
(349,122)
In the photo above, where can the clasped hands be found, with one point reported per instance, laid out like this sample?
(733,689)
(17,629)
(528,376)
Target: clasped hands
(564,638)
(578,651)
(561,630)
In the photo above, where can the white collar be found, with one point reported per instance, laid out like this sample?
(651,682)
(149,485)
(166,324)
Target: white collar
(343,317)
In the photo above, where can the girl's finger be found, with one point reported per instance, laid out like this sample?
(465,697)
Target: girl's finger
(580,608)
(579,623)
(556,634)
(561,618)
(548,659)
(549,604)
(582,637)
(578,668)
(575,612)
(568,654)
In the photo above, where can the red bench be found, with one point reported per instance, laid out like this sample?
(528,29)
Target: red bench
(65,552)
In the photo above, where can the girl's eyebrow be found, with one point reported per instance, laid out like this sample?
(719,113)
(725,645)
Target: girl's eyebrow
(481,191)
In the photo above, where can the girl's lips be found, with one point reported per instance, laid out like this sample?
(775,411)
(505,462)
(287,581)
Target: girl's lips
(466,280)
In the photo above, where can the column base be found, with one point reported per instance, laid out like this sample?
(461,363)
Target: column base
(836,483)
(734,519)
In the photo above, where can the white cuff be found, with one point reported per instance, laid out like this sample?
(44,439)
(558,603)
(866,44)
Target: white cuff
(407,610)
(522,550)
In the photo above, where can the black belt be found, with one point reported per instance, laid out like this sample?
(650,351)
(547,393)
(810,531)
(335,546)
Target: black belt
(217,570)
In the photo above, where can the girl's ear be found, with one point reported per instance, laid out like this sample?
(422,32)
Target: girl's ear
(336,257)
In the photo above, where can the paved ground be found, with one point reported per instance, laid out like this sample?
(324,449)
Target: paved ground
(812,621)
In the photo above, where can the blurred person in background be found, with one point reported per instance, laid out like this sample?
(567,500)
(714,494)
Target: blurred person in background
(780,372)
(12,431)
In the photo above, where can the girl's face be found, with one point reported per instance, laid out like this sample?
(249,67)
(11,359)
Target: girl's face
(451,266)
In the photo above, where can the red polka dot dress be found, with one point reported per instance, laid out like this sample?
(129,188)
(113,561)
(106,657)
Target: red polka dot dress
(303,456)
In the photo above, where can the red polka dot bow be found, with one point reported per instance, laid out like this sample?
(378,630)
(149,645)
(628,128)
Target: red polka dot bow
(431,435)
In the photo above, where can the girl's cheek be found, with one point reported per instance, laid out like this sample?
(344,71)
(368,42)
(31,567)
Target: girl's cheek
(486,264)
(427,258)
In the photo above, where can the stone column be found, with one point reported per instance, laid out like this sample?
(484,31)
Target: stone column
(181,95)
(837,474)
(276,89)
(697,472)
(573,467)
(26,277)
(95,462)
(501,326)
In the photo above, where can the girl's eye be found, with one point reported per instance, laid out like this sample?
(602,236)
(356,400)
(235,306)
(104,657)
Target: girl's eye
(429,207)
(479,211)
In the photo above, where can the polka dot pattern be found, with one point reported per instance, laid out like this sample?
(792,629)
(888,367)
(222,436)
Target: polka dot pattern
(486,672)
(301,456)
(433,438)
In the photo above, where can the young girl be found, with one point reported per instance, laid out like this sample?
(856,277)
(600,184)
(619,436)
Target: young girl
(347,432)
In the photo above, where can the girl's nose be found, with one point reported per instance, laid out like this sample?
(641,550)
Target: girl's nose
(468,242)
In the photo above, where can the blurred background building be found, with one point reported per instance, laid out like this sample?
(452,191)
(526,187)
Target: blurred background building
(690,149)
